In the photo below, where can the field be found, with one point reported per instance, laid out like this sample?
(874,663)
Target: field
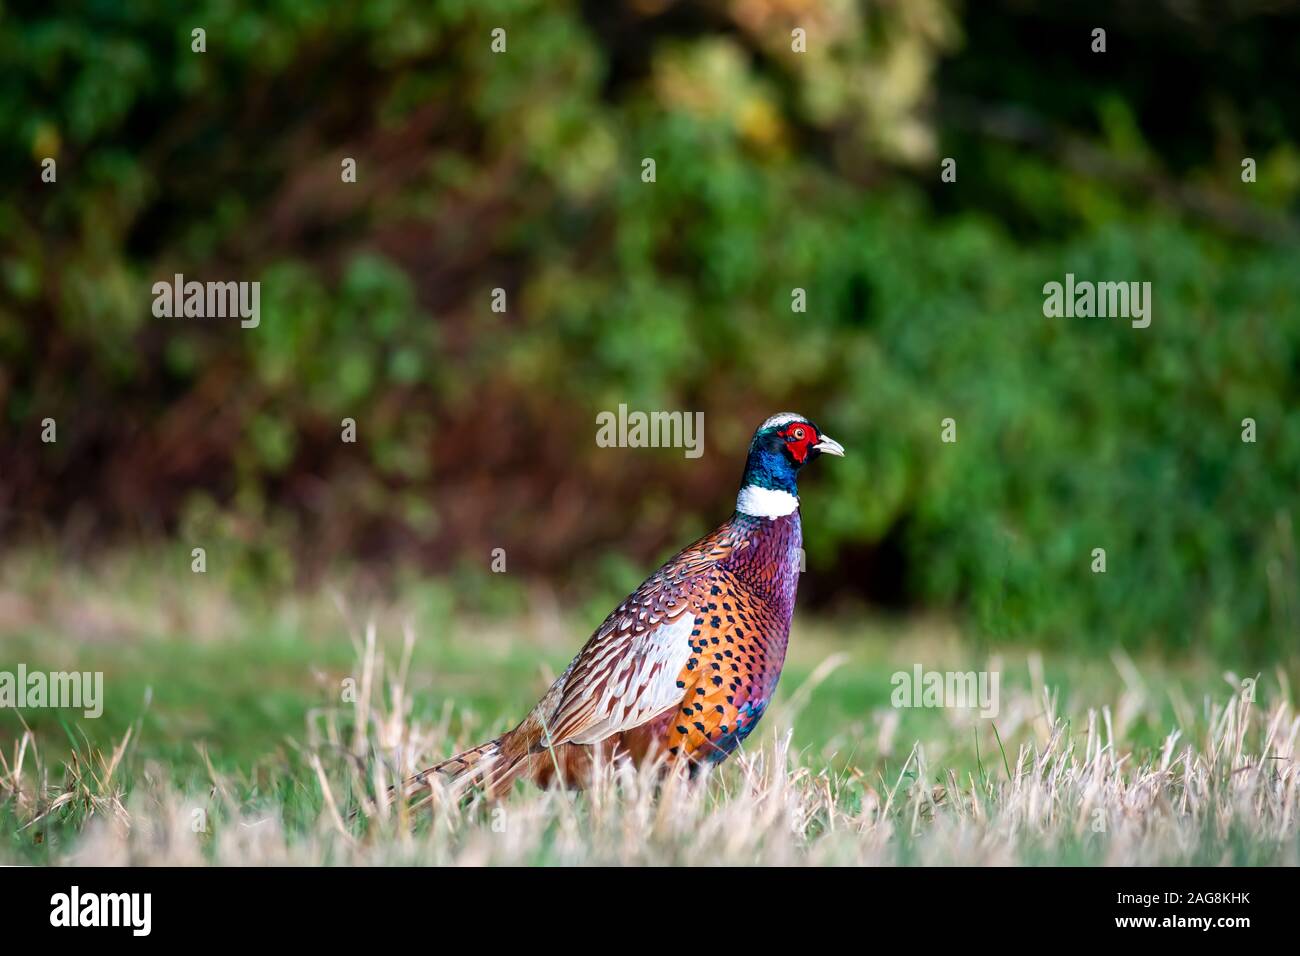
(1044,296)
(230,735)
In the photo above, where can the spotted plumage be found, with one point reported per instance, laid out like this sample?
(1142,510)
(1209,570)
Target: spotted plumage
(687,664)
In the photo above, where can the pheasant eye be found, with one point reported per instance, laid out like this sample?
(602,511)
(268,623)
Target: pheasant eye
(798,434)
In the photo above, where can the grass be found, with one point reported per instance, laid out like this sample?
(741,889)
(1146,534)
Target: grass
(227,738)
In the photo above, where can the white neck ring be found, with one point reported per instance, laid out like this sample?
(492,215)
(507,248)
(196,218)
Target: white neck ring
(761,502)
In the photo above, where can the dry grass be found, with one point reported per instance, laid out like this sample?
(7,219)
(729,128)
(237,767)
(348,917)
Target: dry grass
(1069,791)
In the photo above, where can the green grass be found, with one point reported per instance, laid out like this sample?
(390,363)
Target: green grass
(241,696)
(226,695)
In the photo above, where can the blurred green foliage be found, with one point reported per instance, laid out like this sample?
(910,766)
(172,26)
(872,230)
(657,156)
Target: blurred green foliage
(774,170)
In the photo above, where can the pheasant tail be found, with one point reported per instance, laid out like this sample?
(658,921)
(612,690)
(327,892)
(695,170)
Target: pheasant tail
(484,765)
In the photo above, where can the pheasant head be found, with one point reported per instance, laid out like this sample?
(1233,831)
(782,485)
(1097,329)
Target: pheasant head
(781,447)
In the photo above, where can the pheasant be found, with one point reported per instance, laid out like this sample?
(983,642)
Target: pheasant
(687,664)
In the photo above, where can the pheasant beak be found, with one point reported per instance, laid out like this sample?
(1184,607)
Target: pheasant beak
(829,446)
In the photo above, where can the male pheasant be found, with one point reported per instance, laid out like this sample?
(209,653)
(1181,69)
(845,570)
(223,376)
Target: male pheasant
(688,663)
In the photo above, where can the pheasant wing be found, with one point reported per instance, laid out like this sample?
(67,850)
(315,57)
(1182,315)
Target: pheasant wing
(630,670)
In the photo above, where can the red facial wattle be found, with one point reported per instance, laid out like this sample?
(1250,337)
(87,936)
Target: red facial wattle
(799,440)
